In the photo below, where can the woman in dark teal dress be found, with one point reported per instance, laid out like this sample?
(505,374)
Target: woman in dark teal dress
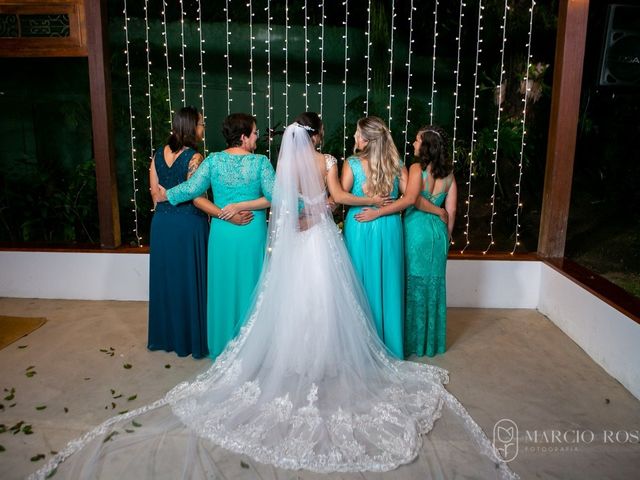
(178,247)
(242,183)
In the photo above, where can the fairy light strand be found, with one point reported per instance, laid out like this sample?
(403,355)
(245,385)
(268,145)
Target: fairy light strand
(473,124)
(286,61)
(368,58)
(166,56)
(227,57)
(346,71)
(182,55)
(409,75)
(456,115)
(149,84)
(132,130)
(390,85)
(252,93)
(524,129)
(321,82)
(306,57)
(433,62)
(497,129)
(268,52)
(203,85)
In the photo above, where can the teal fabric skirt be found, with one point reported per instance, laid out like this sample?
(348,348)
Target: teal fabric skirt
(376,249)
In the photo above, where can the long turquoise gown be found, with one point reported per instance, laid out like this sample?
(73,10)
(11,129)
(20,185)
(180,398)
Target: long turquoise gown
(377,254)
(426,245)
(178,269)
(235,252)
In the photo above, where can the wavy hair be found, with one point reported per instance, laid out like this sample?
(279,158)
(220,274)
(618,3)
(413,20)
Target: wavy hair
(434,150)
(382,154)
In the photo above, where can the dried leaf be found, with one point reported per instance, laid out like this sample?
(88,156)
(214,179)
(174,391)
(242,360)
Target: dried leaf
(41,407)
(113,405)
(118,396)
(103,350)
(2,449)
(167,366)
(3,428)
(66,410)
(11,396)
(243,465)
(31,373)
(37,457)
(122,412)
(12,405)
(128,430)
(132,398)
(110,436)
(30,367)
(1,406)
(52,473)
(135,424)
(127,366)
(16,428)
(87,378)
(113,391)
(53,452)
(23,346)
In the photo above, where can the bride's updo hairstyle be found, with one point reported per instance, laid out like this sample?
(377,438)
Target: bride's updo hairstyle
(312,123)
(382,154)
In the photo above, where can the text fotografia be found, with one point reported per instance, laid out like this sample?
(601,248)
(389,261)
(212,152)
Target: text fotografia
(508,440)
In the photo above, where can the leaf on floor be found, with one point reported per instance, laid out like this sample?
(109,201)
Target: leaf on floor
(135,424)
(167,366)
(127,366)
(23,346)
(66,410)
(110,436)
(27,430)
(122,412)
(243,465)
(37,457)
(52,473)
(41,407)
(132,398)
(2,449)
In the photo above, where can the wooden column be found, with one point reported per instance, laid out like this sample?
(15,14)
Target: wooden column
(102,122)
(563,125)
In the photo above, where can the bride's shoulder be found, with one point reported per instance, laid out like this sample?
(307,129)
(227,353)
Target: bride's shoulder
(329,161)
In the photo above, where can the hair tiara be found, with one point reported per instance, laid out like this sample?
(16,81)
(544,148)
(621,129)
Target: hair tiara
(433,131)
(306,127)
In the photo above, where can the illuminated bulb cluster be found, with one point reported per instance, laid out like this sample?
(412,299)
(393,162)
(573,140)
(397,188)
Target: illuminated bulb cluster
(134,199)
(182,56)
(321,82)
(390,85)
(252,93)
(203,85)
(524,129)
(268,52)
(306,57)
(286,61)
(344,82)
(166,56)
(409,75)
(456,72)
(368,58)
(497,130)
(149,84)
(473,124)
(227,57)
(433,62)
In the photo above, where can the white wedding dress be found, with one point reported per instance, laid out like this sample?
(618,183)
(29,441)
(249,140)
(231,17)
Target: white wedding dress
(307,384)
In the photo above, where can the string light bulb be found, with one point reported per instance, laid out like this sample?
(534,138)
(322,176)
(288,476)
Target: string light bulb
(368,58)
(202,82)
(149,84)
(456,108)
(251,47)
(474,119)
(409,75)
(322,71)
(306,57)
(227,56)
(344,82)
(390,85)
(286,61)
(433,62)
(182,55)
(166,56)
(268,52)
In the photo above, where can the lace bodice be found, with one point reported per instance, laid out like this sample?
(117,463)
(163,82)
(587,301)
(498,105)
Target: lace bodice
(170,176)
(233,178)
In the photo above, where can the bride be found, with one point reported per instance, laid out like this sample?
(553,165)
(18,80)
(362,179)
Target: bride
(307,384)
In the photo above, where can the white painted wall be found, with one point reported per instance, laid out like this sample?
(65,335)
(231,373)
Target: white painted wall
(82,276)
(123,276)
(609,337)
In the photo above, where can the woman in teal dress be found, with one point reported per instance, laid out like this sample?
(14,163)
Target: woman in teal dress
(178,247)
(241,181)
(427,238)
(376,246)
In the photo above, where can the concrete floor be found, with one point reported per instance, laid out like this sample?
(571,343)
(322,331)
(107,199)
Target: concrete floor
(574,420)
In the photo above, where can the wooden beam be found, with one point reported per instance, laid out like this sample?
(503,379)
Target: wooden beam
(563,125)
(102,122)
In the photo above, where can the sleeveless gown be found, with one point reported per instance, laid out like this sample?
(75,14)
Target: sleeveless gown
(178,268)
(426,245)
(236,252)
(376,250)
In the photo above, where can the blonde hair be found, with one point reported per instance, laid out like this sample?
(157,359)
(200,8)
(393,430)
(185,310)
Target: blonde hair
(382,154)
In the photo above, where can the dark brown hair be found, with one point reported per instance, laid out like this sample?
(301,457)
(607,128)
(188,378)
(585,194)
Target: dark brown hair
(236,125)
(312,120)
(434,150)
(183,129)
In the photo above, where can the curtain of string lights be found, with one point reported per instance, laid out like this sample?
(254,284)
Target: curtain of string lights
(313,28)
